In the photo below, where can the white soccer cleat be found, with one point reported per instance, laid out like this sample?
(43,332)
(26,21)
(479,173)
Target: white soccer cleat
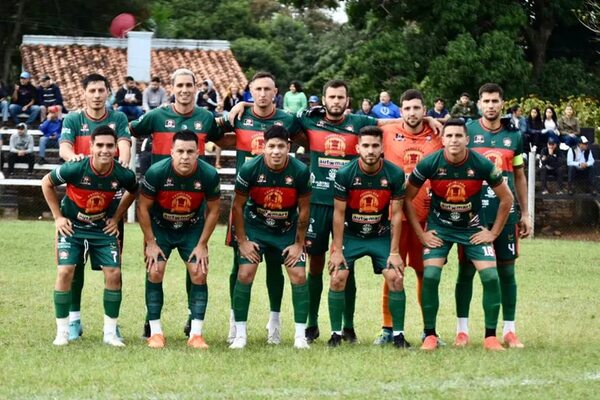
(301,343)
(232,331)
(273,333)
(238,343)
(113,340)
(62,339)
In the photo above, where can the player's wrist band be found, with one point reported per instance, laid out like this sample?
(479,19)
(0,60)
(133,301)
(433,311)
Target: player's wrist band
(394,254)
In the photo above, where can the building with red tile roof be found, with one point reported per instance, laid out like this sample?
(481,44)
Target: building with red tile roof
(68,59)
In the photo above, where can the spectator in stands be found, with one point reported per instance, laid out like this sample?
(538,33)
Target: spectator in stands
(154,95)
(568,125)
(233,96)
(464,108)
(533,134)
(207,96)
(517,118)
(21,149)
(295,99)
(3,103)
(51,129)
(278,100)
(439,111)
(551,163)
(23,100)
(550,125)
(129,99)
(580,162)
(313,101)
(49,95)
(386,108)
(247,96)
(366,108)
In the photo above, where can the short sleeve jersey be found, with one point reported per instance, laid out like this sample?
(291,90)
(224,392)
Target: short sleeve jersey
(272,195)
(89,193)
(78,126)
(178,200)
(455,188)
(406,149)
(368,197)
(249,131)
(332,145)
(163,122)
(504,148)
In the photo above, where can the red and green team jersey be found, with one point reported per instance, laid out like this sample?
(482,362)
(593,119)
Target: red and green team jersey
(89,194)
(78,126)
(179,200)
(368,197)
(455,188)
(272,195)
(504,149)
(332,145)
(249,131)
(163,122)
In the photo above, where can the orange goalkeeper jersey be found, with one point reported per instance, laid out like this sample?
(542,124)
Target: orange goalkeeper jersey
(406,149)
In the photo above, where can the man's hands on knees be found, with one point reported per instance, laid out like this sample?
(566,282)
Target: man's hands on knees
(151,253)
(336,262)
(200,255)
(64,226)
(250,251)
(292,254)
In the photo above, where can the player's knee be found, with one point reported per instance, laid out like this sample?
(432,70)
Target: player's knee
(64,275)
(156,276)
(245,276)
(338,282)
(112,277)
(198,278)
(297,275)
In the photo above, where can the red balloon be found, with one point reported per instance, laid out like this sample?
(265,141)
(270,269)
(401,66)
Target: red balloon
(122,24)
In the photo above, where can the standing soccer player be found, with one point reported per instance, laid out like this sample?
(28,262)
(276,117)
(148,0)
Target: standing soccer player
(457,174)
(74,146)
(163,122)
(367,190)
(504,148)
(405,144)
(250,143)
(83,225)
(270,213)
(171,215)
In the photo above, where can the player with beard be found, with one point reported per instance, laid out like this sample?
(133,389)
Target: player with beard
(504,147)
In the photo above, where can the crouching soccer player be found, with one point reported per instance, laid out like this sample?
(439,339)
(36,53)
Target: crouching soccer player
(170,212)
(457,174)
(364,190)
(270,214)
(82,226)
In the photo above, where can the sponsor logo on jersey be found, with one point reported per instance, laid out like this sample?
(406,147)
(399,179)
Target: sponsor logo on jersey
(356,181)
(331,174)
(272,214)
(184,126)
(506,142)
(349,128)
(178,219)
(168,182)
(257,145)
(335,145)
(181,203)
(454,216)
(470,172)
(456,192)
(112,126)
(495,157)
(114,185)
(273,199)
(197,185)
(248,122)
(86,180)
(428,138)
(261,178)
(85,128)
(366,219)
(383,182)
(198,125)
(270,221)
(66,131)
(170,123)
(278,123)
(289,180)
(442,172)
(366,228)
(399,137)
(95,203)
(331,163)
(368,203)
(63,254)
(90,218)
(412,157)
(321,123)
(478,139)
(456,208)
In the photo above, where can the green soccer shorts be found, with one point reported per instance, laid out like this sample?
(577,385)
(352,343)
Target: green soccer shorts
(320,228)
(480,252)
(378,248)
(102,249)
(271,242)
(506,245)
(184,240)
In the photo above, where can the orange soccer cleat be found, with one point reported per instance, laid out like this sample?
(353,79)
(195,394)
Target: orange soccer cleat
(461,340)
(430,343)
(197,342)
(492,343)
(512,341)
(157,341)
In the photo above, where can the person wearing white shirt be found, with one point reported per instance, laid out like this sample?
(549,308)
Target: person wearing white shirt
(580,162)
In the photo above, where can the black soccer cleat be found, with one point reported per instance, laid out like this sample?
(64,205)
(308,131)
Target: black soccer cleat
(312,333)
(400,342)
(349,335)
(335,341)
(187,327)
(146,330)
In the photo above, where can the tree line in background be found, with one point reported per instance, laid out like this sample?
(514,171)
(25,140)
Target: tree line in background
(443,47)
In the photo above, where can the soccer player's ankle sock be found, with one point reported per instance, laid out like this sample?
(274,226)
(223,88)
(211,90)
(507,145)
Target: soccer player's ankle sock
(397,309)
(463,290)
(155,327)
(77,287)
(196,327)
(508,289)
(315,289)
(300,302)
(300,330)
(350,301)
(508,326)
(491,296)
(233,275)
(490,332)
(430,299)
(154,299)
(241,301)
(74,315)
(275,281)
(198,299)
(240,329)
(110,325)
(385,307)
(62,325)
(62,302)
(336,302)
(274,318)
(462,325)
(112,302)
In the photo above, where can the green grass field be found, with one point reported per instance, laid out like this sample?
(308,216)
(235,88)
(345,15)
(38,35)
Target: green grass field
(558,320)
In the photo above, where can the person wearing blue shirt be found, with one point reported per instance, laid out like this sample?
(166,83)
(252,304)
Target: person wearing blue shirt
(51,129)
(386,109)
(439,111)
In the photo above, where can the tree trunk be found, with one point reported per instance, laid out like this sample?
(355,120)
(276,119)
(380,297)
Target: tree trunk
(12,42)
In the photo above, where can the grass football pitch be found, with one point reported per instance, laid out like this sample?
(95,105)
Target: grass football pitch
(558,320)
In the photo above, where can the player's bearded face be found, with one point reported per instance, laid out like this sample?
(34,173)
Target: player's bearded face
(263,92)
(185,156)
(335,101)
(491,105)
(369,149)
(103,149)
(95,95)
(413,112)
(184,89)
(276,153)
